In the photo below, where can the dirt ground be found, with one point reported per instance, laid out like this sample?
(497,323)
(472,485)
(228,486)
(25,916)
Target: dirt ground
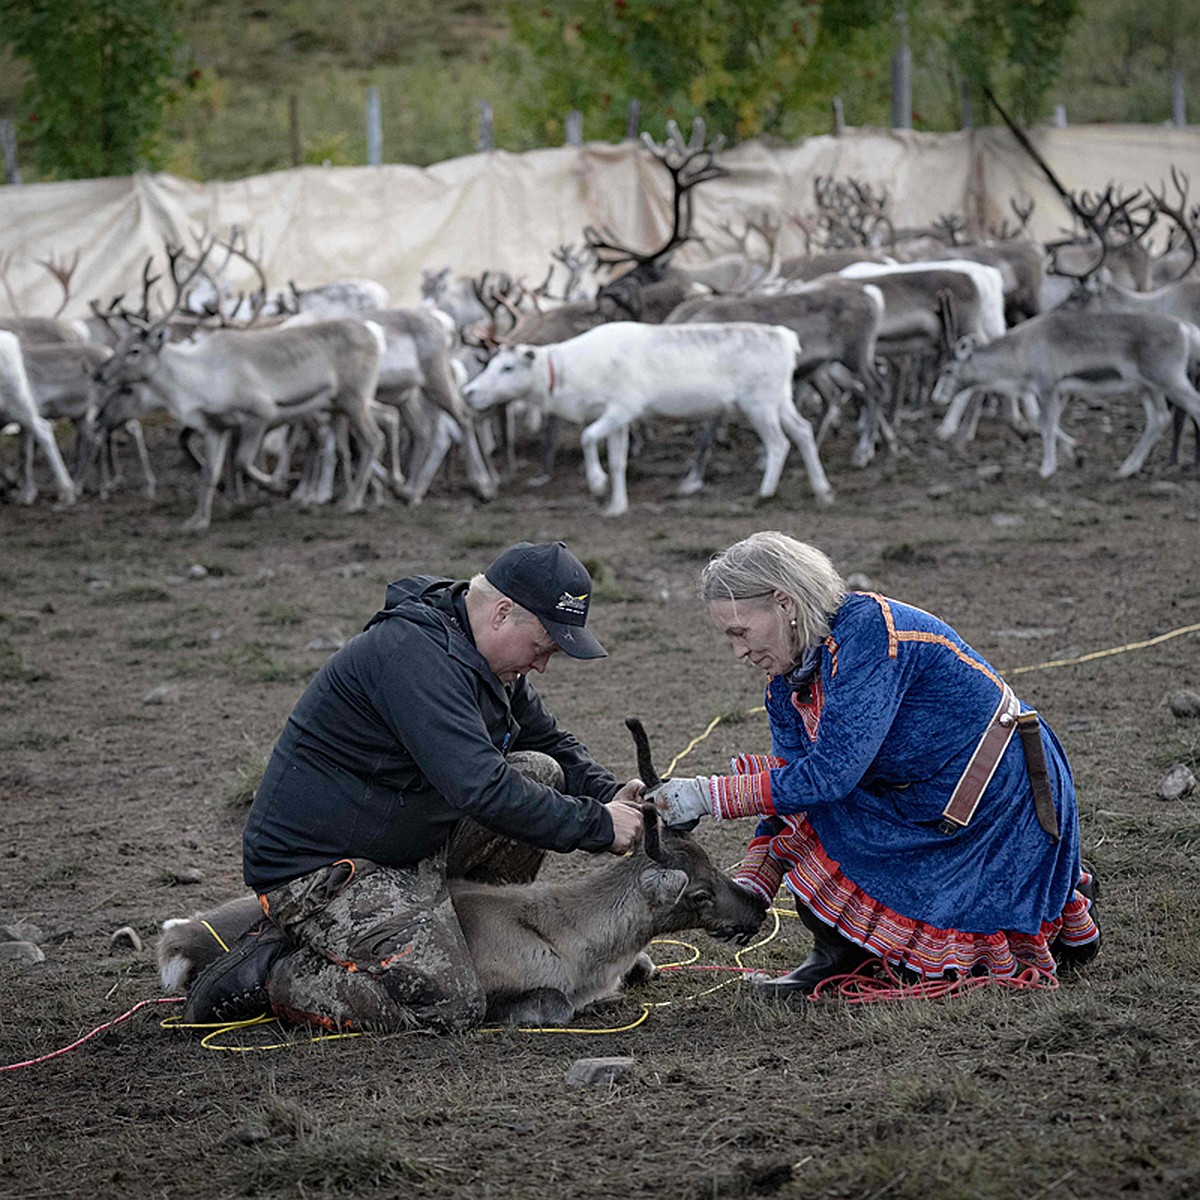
(110,801)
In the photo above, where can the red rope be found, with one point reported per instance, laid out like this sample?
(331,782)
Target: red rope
(860,988)
(29,1062)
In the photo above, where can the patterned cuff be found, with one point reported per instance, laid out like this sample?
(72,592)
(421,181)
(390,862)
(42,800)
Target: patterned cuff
(754,764)
(740,795)
(759,872)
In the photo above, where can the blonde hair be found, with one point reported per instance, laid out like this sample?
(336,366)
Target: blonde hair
(487,591)
(768,562)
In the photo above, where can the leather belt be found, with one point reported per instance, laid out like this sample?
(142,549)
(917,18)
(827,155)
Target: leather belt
(1006,720)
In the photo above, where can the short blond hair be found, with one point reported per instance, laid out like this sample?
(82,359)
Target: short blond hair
(768,562)
(487,591)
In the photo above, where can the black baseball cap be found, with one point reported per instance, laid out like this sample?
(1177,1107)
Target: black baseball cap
(549,581)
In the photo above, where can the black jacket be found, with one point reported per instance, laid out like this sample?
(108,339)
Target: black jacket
(402,732)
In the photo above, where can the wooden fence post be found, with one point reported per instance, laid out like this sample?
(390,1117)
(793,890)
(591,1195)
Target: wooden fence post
(8,144)
(633,119)
(485,141)
(1178,100)
(297,145)
(374,129)
(901,71)
(967,106)
(574,128)
(839,117)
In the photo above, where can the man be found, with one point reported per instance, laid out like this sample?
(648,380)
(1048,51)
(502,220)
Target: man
(419,751)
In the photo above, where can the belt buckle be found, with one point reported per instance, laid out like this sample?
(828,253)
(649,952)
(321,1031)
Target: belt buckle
(948,827)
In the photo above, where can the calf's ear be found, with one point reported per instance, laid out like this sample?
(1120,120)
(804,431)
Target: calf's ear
(663,885)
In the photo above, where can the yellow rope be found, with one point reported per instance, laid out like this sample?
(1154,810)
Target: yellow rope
(229,1027)
(1042,666)
(693,744)
(1082,658)
(220,940)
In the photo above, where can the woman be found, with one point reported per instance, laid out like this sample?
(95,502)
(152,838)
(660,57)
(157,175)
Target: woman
(915,808)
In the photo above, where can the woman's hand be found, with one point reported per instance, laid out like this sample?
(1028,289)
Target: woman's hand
(680,801)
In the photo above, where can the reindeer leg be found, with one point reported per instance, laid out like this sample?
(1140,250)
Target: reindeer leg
(800,431)
(43,433)
(149,484)
(1051,408)
(538,1008)
(370,444)
(550,436)
(29,491)
(693,481)
(216,443)
(767,423)
(1158,418)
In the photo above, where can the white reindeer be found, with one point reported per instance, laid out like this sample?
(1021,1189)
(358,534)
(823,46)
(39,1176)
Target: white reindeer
(615,374)
(18,405)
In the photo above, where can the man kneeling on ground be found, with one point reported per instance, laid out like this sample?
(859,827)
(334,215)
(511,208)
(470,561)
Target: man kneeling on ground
(419,752)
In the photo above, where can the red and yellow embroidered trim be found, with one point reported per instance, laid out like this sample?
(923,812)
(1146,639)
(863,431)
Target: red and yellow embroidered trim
(759,871)
(832,647)
(919,635)
(886,609)
(740,796)
(810,711)
(754,764)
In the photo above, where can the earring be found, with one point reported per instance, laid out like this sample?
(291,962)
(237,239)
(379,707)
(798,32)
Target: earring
(793,622)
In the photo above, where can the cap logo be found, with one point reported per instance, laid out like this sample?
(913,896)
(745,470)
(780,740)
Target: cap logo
(572,604)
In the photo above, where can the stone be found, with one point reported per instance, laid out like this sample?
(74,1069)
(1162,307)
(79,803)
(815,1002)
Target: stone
(249,1134)
(858,582)
(21,931)
(215,634)
(584,1072)
(350,570)
(197,571)
(1185,703)
(98,587)
(188,875)
(165,693)
(989,470)
(21,952)
(48,608)
(1165,487)
(126,936)
(1006,520)
(939,491)
(1177,783)
(24,621)
(332,640)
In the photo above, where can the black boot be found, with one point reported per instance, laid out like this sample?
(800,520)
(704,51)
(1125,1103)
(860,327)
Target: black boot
(831,955)
(1079,956)
(233,987)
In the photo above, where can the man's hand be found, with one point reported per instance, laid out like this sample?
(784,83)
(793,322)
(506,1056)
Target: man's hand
(680,801)
(625,808)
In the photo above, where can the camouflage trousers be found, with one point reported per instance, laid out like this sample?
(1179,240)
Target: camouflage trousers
(381,948)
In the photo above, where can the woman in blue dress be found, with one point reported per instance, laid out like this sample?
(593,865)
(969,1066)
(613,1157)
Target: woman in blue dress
(914,807)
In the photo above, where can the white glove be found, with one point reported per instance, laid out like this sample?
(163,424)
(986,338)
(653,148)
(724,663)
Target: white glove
(679,801)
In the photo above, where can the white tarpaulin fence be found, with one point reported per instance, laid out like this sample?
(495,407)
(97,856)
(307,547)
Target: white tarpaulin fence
(504,211)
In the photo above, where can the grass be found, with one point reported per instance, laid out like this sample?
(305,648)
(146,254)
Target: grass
(247,778)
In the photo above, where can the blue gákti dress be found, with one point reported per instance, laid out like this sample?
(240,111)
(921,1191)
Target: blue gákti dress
(853,797)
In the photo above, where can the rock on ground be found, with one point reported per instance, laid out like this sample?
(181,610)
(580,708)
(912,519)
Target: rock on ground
(1177,783)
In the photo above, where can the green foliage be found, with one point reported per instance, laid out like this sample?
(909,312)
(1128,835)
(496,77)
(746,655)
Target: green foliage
(101,75)
(1015,47)
(738,63)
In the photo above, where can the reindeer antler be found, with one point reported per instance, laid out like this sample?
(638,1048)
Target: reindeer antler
(62,270)
(689,164)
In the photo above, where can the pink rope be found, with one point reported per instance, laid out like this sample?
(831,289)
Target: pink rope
(29,1062)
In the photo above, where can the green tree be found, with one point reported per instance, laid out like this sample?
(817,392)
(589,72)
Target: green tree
(102,73)
(772,66)
(736,62)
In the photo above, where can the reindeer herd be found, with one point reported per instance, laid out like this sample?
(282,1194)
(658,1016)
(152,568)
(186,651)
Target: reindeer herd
(872,327)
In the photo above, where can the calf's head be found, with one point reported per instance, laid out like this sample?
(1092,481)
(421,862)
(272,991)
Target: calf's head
(686,891)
